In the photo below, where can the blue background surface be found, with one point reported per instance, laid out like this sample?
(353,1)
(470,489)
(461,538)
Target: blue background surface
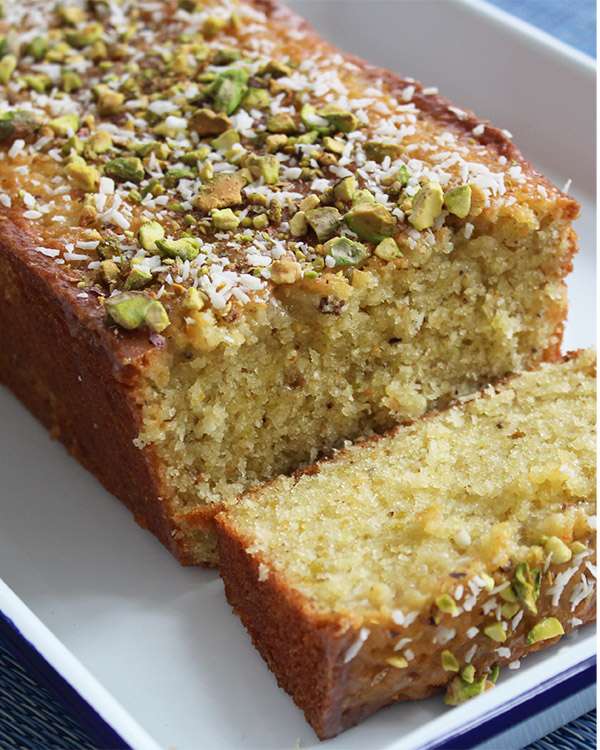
(33,718)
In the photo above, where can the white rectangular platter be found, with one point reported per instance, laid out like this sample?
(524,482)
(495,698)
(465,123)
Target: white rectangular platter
(160,638)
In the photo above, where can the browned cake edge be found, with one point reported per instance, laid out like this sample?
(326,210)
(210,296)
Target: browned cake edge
(307,650)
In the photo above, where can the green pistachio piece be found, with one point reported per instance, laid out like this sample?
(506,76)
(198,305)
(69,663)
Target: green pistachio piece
(225,141)
(458,201)
(7,67)
(39,83)
(494,673)
(256,99)
(468,674)
(179,173)
(260,222)
(312,121)
(334,145)
(70,81)
(17,123)
(224,220)
(311,137)
(346,252)
(149,234)
(275,142)
(213,25)
(65,125)
(310,201)
(206,122)
(132,310)
(398,662)
(137,278)
(387,249)
(378,150)
(125,168)
(426,206)
(224,191)
(281,123)
(82,174)
(508,595)
(445,603)
(109,271)
(193,157)
(228,90)
(496,632)
(72,145)
(526,585)
(510,609)
(225,56)
(85,37)
(37,48)
(488,581)
(345,189)
(558,549)
(193,299)
(324,221)
(449,662)
(70,15)
(370,221)
(362,196)
(577,547)
(341,120)
(544,630)
(266,167)
(100,142)
(298,224)
(460,691)
(186,248)
(110,102)
(276,69)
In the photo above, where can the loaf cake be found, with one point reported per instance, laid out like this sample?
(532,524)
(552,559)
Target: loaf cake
(226,247)
(429,557)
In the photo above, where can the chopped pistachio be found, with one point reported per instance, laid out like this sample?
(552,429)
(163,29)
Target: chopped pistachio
(256,99)
(132,310)
(312,121)
(285,271)
(445,603)
(449,662)
(577,548)
(371,222)
(149,234)
(125,168)
(224,191)
(74,145)
(65,125)
(277,69)
(308,138)
(345,189)
(324,221)
(387,249)
(458,201)
(426,206)
(225,56)
(468,673)
(544,630)
(496,632)
(260,222)
(460,691)
(17,123)
(298,224)
(70,15)
(109,271)
(70,81)
(37,48)
(494,673)
(39,83)
(137,278)
(83,175)
(85,37)
(7,67)
(558,549)
(346,252)
(178,173)
(334,145)
(275,141)
(508,595)
(488,581)
(340,120)
(110,102)
(192,157)
(526,586)
(207,122)
(266,167)
(224,220)
(226,140)
(228,89)
(399,662)
(362,196)
(281,123)
(510,609)
(186,248)
(100,142)
(310,201)
(213,25)
(193,299)
(378,150)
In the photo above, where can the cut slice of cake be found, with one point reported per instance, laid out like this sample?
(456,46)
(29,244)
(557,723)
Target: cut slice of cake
(429,557)
(225,248)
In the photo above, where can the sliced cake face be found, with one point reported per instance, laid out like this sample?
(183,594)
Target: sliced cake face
(287,246)
(428,556)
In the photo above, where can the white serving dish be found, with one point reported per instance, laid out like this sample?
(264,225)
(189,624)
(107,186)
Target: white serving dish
(160,638)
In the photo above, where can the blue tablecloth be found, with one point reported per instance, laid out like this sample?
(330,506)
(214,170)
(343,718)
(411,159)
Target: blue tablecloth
(32,718)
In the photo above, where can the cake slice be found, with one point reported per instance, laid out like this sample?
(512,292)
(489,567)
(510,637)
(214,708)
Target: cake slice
(225,247)
(429,557)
